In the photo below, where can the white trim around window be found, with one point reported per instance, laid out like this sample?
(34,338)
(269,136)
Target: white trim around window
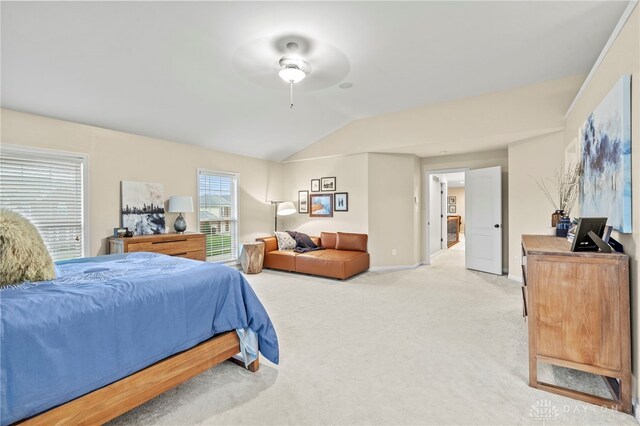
(35,154)
(218,201)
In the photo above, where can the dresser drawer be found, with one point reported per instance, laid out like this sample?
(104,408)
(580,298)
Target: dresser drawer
(191,246)
(168,247)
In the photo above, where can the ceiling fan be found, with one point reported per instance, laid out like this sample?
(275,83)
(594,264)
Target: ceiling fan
(293,58)
(294,68)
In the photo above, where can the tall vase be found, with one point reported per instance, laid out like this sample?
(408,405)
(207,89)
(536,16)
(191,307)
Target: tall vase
(562,227)
(555,217)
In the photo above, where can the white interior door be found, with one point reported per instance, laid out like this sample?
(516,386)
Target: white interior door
(443,214)
(435,214)
(483,209)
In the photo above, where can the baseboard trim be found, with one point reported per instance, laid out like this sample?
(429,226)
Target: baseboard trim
(515,278)
(635,407)
(394,268)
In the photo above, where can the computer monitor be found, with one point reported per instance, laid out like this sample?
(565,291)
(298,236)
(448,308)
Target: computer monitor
(583,241)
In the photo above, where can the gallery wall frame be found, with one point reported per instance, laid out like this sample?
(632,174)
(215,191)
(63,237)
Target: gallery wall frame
(341,201)
(321,205)
(328,183)
(303,202)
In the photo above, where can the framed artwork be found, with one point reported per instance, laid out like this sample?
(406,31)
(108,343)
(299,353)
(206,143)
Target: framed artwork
(452,208)
(303,202)
(321,205)
(315,185)
(605,142)
(341,202)
(142,207)
(452,199)
(120,232)
(328,183)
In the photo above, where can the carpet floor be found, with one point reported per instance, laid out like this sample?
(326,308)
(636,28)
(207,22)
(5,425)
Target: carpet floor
(435,345)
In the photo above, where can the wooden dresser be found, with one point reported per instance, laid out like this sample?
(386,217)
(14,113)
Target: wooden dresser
(189,245)
(579,315)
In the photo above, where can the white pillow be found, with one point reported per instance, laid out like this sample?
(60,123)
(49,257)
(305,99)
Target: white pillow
(285,241)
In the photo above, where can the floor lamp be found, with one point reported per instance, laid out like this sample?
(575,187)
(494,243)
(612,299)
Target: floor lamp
(283,208)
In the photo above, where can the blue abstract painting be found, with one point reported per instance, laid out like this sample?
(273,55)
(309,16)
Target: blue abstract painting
(605,190)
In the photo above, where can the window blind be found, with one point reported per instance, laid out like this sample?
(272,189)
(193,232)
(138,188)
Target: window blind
(48,190)
(217,214)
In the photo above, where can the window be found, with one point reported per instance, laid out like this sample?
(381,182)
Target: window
(218,215)
(47,188)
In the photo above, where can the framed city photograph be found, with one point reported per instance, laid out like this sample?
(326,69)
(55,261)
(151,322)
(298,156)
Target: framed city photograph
(341,202)
(328,183)
(315,185)
(321,205)
(452,199)
(303,202)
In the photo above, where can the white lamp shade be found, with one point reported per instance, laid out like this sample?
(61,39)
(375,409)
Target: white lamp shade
(286,208)
(292,74)
(180,204)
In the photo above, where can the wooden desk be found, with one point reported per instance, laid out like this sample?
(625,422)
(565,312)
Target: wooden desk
(190,244)
(579,316)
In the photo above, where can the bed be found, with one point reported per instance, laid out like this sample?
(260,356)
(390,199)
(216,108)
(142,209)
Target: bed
(112,332)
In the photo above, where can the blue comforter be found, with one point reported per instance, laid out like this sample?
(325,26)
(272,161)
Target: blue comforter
(106,317)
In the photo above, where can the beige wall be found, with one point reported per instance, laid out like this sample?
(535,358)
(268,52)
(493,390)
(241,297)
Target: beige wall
(351,177)
(529,210)
(382,190)
(622,58)
(485,122)
(477,160)
(394,210)
(459,194)
(116,156)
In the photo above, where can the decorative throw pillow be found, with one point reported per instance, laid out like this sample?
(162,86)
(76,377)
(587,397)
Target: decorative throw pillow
(285,242)
(23,255)
(302,239)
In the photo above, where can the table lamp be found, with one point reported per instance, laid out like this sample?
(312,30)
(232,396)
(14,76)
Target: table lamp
(180,204)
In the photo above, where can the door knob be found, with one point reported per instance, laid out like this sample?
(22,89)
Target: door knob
(496,225)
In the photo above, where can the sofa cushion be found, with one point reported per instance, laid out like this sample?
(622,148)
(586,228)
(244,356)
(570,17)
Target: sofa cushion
(348,241)
(328,240)
(270,243)
(332,263)
(285,241)
(280,259)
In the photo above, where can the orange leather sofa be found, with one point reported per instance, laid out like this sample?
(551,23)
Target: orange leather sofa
(344,256)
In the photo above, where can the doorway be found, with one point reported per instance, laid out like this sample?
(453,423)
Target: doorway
(464,214)
(446,212)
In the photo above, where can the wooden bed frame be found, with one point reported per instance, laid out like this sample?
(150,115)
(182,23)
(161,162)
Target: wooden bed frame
(109,402)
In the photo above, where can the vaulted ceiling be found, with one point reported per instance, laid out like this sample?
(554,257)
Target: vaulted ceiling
(205,73)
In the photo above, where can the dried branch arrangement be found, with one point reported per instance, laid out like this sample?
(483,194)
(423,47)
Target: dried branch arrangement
(562,189)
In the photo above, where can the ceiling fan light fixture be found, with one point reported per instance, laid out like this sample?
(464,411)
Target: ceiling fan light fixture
(293,70)
(292,74)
